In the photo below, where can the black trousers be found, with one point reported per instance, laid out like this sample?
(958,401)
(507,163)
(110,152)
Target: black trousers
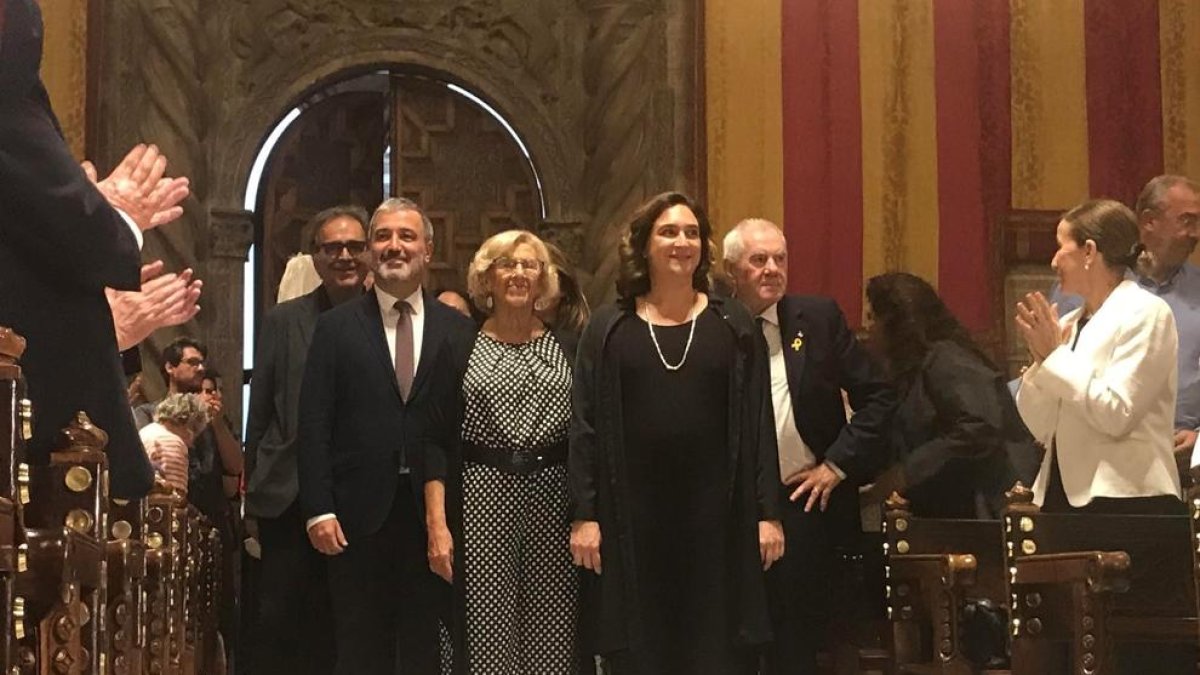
(799,585)
(383,603)
(294,629)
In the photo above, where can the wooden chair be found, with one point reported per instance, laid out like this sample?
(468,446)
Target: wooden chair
(126,581)
(163,580)
(1088,582)
(15,429)
(933,567)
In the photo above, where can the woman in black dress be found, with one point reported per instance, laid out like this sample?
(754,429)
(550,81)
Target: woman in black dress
(959,440)
(673,470)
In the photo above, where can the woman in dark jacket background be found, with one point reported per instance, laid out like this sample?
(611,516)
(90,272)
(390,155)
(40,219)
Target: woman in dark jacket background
(673,469)
(959,439)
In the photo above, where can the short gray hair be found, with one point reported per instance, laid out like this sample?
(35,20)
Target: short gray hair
(1154,194)
(186,410)
(396,205)
(735,245)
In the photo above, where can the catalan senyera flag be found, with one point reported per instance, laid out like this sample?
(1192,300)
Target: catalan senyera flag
(892,134)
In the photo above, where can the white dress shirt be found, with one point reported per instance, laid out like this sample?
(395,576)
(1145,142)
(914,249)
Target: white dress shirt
(137,231)
(794,453)
(387,309)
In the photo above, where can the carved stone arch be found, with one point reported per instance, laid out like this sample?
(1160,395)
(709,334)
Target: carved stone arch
(553,154)
(607,96)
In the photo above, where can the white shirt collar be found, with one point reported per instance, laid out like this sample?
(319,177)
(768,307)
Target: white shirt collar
(771,314)
(387,301)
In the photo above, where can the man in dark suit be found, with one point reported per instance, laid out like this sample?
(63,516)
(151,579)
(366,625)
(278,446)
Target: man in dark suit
(62,242)
(294,632)
(823,457)
(369,372)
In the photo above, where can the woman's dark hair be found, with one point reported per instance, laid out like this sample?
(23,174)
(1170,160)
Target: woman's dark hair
(635,269)
(911,317)
(1112,226)
(573,310)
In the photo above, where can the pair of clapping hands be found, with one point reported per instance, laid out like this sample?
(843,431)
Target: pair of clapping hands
(140,189)
(1037,320)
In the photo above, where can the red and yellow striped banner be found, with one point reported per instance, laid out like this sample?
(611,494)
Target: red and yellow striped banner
(909,127)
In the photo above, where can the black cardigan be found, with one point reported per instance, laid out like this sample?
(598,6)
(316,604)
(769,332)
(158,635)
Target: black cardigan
(959,437)
(599,484)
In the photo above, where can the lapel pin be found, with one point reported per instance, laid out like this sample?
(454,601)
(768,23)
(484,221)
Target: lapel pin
(798,342)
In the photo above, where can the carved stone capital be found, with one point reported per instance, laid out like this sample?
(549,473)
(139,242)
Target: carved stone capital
(231,232)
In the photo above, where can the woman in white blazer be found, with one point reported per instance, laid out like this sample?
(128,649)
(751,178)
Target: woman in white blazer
(1100,394)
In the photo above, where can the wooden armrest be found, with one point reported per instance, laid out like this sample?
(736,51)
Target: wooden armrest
(952,569)
(1102,571)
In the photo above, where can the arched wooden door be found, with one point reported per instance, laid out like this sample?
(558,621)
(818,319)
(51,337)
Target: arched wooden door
(401,135)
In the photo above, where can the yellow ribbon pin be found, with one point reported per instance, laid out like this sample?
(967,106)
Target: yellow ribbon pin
(798,342)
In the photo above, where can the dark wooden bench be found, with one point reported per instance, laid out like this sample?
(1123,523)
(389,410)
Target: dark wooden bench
(1082,584)
(15,429)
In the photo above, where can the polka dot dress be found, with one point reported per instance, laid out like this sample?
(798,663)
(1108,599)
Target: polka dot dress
(522,592)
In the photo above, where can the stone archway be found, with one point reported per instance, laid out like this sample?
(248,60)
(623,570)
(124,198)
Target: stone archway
(606,95)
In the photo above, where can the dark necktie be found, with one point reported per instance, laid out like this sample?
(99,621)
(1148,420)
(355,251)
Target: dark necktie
(404,348)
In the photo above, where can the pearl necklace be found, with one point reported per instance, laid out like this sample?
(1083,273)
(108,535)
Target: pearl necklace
(653,338)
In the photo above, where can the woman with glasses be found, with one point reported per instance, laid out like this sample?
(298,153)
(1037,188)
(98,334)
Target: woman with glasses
(674,473)
(500,529)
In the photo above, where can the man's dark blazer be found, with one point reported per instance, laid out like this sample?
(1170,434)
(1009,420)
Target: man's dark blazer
(271,464)
(353,423)
(822,359)
(61,244)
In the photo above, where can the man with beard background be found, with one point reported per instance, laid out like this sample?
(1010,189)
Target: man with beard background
(369,371)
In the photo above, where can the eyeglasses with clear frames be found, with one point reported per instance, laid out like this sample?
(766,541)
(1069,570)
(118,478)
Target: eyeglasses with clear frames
(525,264)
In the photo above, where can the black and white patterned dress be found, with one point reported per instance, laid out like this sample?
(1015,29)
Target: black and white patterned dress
(522,593)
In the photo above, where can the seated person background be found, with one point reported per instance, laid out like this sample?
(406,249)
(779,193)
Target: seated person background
(959,441)
(178,420)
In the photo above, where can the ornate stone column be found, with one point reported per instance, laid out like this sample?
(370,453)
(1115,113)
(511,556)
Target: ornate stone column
(231,231)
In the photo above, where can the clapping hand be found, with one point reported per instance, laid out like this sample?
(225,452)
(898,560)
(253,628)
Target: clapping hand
(163,300)
(138,188)
(1037,320)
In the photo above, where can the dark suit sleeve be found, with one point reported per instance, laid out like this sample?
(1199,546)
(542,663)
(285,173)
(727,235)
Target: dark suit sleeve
(861,447)
(968,413)
(439,422)
(767,460)
(584,445)
(262,384)
(64,222)
(315,431)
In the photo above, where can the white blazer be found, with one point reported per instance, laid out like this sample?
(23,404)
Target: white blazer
(1109,404)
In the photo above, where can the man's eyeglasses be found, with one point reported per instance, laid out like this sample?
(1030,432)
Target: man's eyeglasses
(511,264)
(334,248)
(194,361)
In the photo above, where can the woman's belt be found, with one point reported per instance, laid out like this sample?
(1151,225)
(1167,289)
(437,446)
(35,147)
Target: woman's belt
(520,462)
